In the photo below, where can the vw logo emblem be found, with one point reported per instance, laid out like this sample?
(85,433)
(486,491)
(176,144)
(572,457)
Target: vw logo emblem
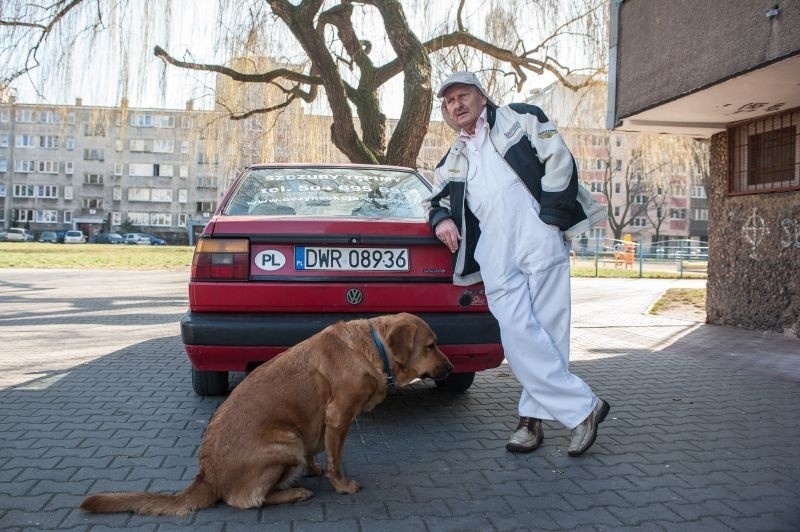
(354,296)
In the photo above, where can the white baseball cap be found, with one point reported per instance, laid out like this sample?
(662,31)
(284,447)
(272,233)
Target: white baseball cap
(465,78)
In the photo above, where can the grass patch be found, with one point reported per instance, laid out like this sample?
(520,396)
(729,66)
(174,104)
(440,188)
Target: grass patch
(588,271)
(94,256)
(692,299)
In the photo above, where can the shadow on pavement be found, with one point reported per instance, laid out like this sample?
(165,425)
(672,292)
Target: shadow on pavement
(701,435)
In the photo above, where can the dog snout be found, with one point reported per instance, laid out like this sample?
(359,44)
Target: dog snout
(443,371)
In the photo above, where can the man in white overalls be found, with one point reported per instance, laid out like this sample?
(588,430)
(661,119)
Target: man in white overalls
(506,197)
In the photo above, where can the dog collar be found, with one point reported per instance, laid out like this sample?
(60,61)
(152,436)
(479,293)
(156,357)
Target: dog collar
(386,367)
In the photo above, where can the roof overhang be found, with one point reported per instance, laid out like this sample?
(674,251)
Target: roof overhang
(711,109)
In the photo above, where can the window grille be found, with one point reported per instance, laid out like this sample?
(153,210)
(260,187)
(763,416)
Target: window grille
(765,154)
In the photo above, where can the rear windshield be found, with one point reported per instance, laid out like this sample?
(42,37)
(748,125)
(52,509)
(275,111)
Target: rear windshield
(368,192)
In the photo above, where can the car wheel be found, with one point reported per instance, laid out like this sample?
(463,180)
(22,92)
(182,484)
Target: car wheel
(456,382)
(209,382)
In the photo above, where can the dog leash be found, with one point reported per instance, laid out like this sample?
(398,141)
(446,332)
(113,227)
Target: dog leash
(386,367)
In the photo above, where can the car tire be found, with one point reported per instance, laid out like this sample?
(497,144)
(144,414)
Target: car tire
(209,382)
(456,382)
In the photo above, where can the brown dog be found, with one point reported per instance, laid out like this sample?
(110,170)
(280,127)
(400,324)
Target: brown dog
(265,435)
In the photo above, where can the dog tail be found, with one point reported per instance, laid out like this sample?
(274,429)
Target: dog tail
(198,495)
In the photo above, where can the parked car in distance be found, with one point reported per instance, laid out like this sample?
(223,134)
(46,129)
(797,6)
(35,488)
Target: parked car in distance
(295,248)
(136,239)
(107,238)
(18,234)
(74,236)
(48,236)
(154,240)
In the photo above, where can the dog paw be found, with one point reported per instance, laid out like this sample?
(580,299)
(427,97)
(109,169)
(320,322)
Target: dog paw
(346,486)
(302,494)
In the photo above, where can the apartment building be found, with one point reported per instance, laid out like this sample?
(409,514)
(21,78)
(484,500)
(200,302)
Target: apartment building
(655,184)
(95,168)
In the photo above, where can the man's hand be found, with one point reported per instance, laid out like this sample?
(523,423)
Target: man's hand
(447,232)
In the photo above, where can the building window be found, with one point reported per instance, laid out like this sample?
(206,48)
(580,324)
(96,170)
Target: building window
(24,167)
(93,203)
(139,145)
(70,143)
(22,215)
(93,155)
(68,192)
(116,218)
(698,191)
(3,141)
(139,218)
(50,117)
(46,217)
(207,208)
(163,219)
(597,186)
(67,217)
(765,154)
(69,167)
(47,167)
(639,222)
(701,215)
(161,194)
(23,191)
(25,115)
(26,141)
(140,169)
(46,191)
(138,194)
(182,220)
(94,130)
(677,214)
(3,167)
(93,179)
(164,146)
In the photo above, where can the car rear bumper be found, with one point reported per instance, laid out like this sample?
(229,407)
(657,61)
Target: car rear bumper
(233,342)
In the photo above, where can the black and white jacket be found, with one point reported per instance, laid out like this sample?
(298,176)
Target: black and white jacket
(534,150)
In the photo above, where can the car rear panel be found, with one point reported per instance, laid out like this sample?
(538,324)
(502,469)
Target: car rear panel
(425,286)
(262,283)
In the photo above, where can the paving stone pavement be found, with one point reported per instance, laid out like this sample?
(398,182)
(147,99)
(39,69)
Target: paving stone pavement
(95,395)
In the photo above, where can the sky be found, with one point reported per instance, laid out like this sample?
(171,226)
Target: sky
(92,71)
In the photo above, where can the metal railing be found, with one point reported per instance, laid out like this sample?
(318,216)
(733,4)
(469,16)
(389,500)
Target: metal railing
(606,257)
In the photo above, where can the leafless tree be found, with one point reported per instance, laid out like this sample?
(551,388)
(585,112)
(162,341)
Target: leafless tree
(347,50)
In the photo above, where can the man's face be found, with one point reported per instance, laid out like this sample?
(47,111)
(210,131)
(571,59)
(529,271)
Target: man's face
(464,104)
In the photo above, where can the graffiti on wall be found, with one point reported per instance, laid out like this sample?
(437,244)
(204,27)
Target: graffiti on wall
(755,230)
(791,230)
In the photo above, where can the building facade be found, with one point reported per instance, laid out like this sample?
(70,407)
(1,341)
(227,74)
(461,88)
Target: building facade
(730,75)
(95,168)
(654,186)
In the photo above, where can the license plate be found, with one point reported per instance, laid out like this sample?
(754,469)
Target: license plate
(351,259)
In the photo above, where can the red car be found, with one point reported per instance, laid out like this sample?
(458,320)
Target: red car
(294,248)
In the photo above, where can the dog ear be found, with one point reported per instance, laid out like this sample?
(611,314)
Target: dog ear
(401,334)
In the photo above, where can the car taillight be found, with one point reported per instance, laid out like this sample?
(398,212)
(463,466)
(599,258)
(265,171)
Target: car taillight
(221,259)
